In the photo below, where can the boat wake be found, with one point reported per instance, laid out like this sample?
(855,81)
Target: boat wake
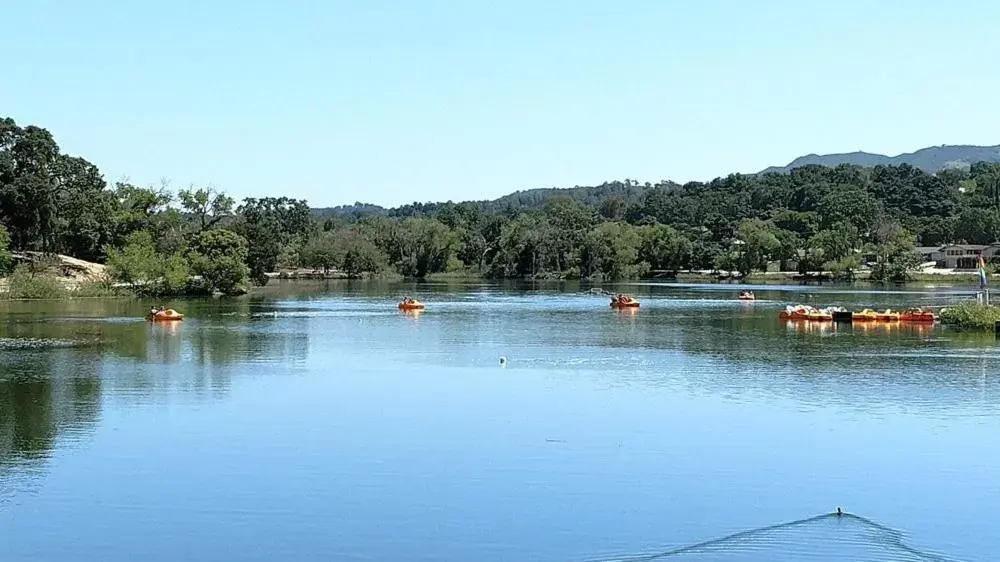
(828,537)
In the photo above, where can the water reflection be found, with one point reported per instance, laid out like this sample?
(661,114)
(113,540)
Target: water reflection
(395,419)
(42,395)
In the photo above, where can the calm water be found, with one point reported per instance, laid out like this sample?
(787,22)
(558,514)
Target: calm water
(325,425)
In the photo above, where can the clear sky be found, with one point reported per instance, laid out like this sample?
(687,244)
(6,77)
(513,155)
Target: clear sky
(391,102)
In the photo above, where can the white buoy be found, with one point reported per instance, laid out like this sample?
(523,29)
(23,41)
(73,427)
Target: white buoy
(503,361)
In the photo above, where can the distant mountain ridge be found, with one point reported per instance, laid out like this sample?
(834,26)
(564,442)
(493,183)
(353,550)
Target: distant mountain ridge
(931,159)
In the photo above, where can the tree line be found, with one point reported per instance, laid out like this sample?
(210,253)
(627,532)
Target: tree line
(812,219)
(196,240)
(201,240)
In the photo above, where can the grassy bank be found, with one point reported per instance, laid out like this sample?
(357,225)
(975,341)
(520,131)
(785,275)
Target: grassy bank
(22,285)
(971,315)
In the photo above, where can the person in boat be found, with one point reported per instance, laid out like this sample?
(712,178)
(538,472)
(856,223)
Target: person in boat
(153,311)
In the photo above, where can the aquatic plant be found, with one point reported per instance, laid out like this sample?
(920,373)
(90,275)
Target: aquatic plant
(971,315)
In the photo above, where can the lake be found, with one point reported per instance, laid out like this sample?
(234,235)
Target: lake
(317,422)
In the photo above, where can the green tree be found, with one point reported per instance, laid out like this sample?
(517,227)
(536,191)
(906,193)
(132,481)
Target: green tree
(269,225)
(844,267)
(149,271)
(206,205)
(613,208)
(27,189)
(361,256)
(802,223)
(664,248)
(518,248)
(849,204)
(837,242)
(136,209)
(835,249)
(755,242)
(612,250)
(136,262)
(219,256)
(563,226)
(977,225)
(987,180)
(429,245)
(323,252)
(895,256)
(6,257)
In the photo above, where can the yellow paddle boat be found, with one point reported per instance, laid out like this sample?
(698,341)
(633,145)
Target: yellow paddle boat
(800,312)
(821,315)
(888,315)
(164,315)
(624,301)
(918,315)
(866,315)
(410,304)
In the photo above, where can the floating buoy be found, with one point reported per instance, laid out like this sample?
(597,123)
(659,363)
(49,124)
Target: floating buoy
(503,361)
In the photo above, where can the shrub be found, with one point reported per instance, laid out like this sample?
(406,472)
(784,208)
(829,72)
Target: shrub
(971,315)
(95,288)
(25,284)
(137,261)
(220,256)
(6,257)
(148,271)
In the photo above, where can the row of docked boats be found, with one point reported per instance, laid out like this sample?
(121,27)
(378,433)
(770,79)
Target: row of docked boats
(841,314)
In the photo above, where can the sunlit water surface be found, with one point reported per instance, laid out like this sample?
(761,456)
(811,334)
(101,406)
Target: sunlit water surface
(319,423)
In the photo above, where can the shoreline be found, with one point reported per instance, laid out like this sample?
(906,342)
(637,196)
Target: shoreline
(74,287)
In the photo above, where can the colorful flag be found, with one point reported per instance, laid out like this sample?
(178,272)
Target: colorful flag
(982,273)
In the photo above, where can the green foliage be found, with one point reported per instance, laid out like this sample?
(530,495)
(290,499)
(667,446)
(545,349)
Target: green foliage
(6,257)
(219,256)
(895,256)
(849,204)
(135,263)
(175,274)
(611,251)
(290,256)
(977,225)
(971,315)
(843,268)
(362,257)
(25,283)
(95,288)
(756,242)
(269,225)
(206,206)
(663,248)
(429,246)
(147,270)
(819,217)
(323,252)
(832,246)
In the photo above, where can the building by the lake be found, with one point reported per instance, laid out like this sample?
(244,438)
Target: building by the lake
(958,256)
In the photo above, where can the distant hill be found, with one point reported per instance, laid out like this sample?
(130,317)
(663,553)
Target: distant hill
(931,159)
(527,200)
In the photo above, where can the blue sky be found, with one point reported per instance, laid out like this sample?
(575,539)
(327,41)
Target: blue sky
(391,102)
